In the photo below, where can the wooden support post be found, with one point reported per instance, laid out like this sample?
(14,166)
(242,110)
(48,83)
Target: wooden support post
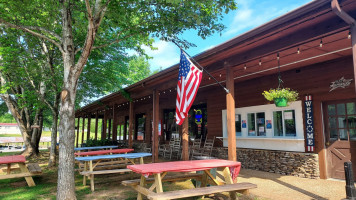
(88,131)
(125,129)
(148,128)
(353,42)
(78,122)
(83,125)
(230,110)
(103,135)
(155,126)
(114,122)
(131,121)
(96,125)
(109,128)
(185,139)
(120,127)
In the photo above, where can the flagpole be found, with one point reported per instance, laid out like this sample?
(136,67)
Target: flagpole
(204,70)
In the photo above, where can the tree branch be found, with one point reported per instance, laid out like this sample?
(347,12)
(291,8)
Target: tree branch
(44,30)
(24,28)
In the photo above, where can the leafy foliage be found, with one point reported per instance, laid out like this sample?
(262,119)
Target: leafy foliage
(287,93)
(94,142)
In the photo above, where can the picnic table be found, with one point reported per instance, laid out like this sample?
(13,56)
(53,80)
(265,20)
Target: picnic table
(90,162)
(102,152)
(230,171)
(94,148)
(12,161)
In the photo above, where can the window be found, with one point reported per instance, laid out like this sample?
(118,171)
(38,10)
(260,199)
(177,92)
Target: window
(284,123)
(238,124)
(342,121)
(256,124)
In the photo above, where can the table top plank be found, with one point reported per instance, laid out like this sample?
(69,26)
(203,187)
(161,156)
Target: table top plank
(183,166)
(101,152)
(93,148)
(100,157)
(12,159)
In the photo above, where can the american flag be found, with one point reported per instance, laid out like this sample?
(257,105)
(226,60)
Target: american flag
(188,83)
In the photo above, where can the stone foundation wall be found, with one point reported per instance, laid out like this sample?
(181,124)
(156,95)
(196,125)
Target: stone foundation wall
(304,165)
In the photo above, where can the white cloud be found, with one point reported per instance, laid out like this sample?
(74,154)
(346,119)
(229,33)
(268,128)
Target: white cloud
(165,56)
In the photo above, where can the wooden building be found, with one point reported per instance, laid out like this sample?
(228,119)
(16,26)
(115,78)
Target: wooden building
(314,46)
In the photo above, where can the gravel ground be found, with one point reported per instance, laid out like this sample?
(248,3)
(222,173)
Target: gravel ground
(279,187)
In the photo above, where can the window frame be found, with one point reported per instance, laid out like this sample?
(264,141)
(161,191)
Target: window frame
(283,124)
(256,124)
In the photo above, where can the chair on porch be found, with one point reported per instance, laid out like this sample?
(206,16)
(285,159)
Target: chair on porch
(195,146)
(166,150)
(206,150)
(177,149)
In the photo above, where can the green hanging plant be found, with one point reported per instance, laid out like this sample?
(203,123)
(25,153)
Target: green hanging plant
(281,97)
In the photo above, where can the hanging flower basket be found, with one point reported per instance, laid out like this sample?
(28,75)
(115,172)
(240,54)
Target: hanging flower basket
(281,97)
(281,102)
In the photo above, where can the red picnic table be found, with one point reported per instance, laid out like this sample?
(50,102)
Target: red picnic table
(230,171)
(103,152)
(20,160)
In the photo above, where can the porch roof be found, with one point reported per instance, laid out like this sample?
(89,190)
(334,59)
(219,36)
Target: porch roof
(296,36)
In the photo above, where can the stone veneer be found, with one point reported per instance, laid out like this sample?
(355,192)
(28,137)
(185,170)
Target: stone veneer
(299,164)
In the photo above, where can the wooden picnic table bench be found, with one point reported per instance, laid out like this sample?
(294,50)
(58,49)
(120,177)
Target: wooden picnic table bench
(230,171)
(89,164)
(27,171)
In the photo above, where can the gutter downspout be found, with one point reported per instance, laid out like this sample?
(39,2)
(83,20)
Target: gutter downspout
(352,22)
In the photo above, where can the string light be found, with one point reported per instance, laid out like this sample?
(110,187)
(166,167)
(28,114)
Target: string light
(349,36)
(278,56)
(245,67)
(260,62)
(298,51)
(220,75)
(209,78)
(321,42)
(170,90)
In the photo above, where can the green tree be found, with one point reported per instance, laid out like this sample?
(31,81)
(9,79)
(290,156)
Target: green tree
(129,24)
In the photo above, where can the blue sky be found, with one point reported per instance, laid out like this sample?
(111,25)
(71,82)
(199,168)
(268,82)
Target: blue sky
(249,15)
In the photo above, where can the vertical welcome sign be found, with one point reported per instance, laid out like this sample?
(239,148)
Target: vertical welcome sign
(309,122)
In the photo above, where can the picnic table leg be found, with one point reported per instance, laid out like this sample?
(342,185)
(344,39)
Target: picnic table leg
(91,176)
(228,180)
(142,183)
(85,177)
(158,182)
(28,179)
(8,171)
(141,160)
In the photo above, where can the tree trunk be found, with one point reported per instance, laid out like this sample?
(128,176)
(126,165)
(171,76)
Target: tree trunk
(25,130)
(37,132)
(53,151)
(66,185)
